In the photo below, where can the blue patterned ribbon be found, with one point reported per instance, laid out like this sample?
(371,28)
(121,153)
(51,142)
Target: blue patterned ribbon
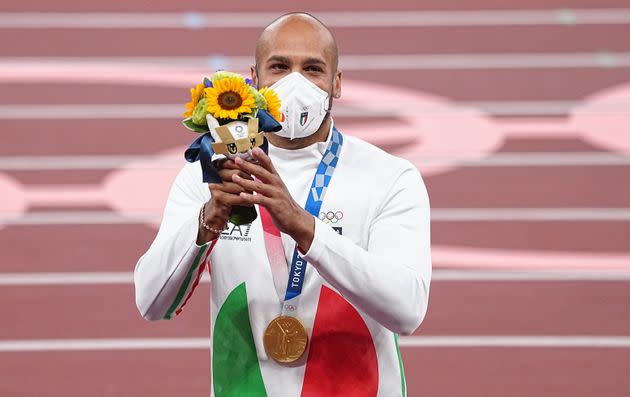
(201,148)
(319,186)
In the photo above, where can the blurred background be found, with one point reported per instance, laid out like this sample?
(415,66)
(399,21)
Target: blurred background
(517,114)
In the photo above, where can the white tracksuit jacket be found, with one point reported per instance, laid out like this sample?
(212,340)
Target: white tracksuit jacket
(366,282)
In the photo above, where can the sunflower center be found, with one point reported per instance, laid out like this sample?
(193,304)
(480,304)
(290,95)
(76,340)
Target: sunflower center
(229,100)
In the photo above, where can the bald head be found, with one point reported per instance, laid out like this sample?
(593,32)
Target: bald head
(298,43)
(310,29)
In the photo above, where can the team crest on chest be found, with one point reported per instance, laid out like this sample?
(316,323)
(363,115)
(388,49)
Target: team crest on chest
(332,218)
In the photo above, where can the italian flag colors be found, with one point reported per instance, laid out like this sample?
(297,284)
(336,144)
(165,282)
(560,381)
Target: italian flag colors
(188,285)
(341,361)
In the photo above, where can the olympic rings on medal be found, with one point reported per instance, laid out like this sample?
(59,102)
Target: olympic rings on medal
(331,217)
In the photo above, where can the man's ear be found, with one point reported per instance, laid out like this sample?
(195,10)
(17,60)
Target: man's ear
(254,74)
(337,84)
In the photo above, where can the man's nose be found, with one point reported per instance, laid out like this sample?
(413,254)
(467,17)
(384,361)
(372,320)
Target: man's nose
(298,69)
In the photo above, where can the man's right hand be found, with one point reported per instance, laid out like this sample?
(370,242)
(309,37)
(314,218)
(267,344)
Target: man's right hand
(223,197)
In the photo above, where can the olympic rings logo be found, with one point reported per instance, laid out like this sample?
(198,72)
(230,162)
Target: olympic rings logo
(331,217)
(289,308)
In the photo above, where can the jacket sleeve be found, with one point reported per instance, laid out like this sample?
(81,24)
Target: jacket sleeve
(167,274)
(390,279)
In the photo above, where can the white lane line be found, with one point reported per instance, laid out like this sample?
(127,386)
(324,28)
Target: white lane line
(507,159)
(517,341)
(140,161)
(437,215)
(529,214)
(531,275)
(43,345)
(411,18)
(91,111)
(103,344)
(390,109)
(66,278)
(89,162)
(80,218)
(16,65)
(485,61)
(126,278)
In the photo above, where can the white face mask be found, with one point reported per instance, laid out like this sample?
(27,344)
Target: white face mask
(304,106)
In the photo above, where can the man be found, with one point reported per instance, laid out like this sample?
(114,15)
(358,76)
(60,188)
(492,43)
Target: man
(358,267)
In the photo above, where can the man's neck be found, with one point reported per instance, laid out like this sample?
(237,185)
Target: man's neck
(292,144)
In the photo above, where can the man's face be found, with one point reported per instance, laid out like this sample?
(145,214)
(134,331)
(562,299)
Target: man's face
(296,48)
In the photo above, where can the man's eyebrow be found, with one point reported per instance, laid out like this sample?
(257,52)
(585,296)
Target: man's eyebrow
(279,58)
(314,61)
(287,61)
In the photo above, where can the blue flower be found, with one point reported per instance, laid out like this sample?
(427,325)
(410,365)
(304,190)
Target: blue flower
(207,83)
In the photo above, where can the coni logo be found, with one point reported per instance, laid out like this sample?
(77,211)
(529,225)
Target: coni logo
(331,216)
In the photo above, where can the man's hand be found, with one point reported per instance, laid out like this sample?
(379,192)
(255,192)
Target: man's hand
(288,216)
(223,197)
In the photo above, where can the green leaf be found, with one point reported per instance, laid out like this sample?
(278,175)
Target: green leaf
(188,123)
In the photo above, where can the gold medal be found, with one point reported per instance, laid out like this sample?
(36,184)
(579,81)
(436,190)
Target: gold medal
(285,339)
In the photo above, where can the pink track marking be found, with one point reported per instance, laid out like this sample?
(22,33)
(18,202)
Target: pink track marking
(465,257)
(446,130)
(65,195)
(609,129)
(13,202)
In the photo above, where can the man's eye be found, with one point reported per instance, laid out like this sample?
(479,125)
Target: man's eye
(314,69)
(278,66)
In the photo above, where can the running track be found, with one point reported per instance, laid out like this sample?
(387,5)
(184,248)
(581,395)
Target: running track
(517,118)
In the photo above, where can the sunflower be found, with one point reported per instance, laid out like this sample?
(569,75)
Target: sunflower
(229,97)
(273,102)
(196,93)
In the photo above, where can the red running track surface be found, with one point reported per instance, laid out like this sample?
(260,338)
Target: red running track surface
(44,230)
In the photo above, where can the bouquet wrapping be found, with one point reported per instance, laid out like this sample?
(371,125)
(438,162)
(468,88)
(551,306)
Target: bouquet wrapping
(231,115)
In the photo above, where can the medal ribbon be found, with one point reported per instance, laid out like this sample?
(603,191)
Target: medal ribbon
(316,195)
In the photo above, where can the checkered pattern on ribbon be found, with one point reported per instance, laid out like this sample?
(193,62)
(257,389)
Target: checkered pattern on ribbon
(326,167)
(314,202)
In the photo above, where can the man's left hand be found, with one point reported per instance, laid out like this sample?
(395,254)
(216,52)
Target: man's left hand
(271,192)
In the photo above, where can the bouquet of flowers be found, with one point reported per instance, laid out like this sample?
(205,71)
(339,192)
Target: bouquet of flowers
(231,114)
